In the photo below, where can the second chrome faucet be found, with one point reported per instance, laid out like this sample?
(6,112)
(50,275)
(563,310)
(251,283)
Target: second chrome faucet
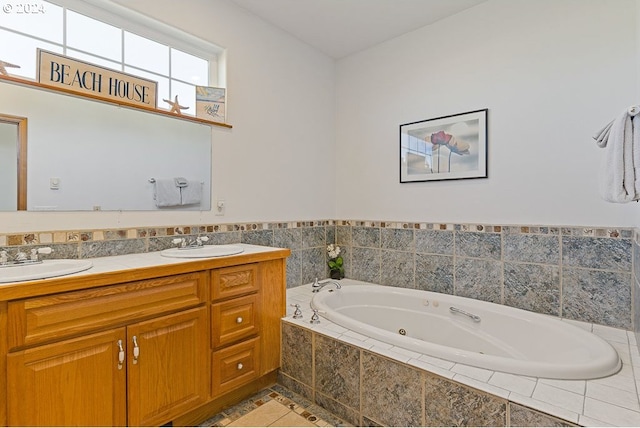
(319,285)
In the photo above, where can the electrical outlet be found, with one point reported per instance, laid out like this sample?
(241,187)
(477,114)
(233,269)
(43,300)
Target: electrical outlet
(220,207)
(54,183)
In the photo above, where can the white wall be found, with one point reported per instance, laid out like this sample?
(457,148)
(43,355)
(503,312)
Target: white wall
(276,164)
(551,73)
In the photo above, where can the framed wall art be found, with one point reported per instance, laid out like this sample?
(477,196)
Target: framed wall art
(444,148)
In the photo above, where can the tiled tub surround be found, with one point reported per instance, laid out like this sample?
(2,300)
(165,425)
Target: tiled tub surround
(371,383)
(578,273)
(582,274)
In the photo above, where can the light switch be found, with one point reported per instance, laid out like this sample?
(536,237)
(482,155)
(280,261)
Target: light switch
(54,183)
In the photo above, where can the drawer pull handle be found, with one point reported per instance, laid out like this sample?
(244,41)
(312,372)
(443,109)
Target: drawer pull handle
(240,366)
(120,355)
(136,350)
(239,320)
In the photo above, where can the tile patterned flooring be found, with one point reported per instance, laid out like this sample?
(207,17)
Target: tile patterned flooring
(274,407)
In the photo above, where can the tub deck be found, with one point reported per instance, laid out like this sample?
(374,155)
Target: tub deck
(612,400)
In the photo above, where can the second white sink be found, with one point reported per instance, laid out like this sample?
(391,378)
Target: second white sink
(202,252)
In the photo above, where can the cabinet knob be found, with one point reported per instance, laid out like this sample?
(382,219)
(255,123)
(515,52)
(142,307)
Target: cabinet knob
(240,366)
(239,320)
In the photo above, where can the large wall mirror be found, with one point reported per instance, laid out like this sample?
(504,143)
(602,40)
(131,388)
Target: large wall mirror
(13,163)
(88,155)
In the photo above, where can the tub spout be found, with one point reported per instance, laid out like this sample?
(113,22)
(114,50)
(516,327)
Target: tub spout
(319,285)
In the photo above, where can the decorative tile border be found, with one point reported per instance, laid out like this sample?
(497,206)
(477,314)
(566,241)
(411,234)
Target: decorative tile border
(49,237)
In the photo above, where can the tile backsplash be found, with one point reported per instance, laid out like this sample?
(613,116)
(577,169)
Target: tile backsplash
(582,273)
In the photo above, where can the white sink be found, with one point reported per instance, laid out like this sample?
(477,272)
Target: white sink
(203,252)
(46,269)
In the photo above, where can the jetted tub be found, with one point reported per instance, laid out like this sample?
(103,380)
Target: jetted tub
(476,333)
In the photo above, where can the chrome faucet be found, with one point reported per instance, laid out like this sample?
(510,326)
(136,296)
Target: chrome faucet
(22,258)
(315,318)
(319,285)
(183,243)
(200,240)
(36,251)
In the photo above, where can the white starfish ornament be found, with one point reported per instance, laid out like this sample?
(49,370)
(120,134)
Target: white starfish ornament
(4,64)
(175,106)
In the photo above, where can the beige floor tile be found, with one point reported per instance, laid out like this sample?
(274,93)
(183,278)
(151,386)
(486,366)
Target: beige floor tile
(263,416)
(292,419)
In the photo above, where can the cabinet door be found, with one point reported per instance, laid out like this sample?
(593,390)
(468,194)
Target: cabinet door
(169,376)
(75,382)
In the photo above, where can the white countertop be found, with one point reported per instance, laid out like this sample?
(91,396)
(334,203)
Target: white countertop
(154,259)
(127,264)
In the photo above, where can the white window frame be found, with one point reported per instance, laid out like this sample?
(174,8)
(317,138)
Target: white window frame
(144,26)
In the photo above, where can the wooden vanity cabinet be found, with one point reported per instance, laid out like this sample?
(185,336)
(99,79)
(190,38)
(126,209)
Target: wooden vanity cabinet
(81,382)
(144,373)
(166,349)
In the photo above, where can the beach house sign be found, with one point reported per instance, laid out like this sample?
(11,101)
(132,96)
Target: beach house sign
(93,81)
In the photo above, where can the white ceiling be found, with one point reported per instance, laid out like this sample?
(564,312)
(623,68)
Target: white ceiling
(342,27)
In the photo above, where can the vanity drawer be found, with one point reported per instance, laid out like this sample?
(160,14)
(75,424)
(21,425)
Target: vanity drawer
(63,315)
(235,366)
(236,319)
(234,281)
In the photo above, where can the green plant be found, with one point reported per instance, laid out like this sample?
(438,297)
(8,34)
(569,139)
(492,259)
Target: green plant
(336,263)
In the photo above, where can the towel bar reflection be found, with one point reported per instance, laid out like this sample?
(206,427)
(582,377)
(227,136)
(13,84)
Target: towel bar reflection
(153,180)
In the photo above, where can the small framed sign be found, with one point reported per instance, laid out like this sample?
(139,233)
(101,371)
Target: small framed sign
(444,148)
(210,103)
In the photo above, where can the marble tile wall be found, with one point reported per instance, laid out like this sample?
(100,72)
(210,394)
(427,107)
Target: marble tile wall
(636,284)
(367,389)
(581,273)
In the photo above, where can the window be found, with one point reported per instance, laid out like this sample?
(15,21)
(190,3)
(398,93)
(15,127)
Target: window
(112,36)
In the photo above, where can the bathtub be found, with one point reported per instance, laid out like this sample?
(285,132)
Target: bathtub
(468,331)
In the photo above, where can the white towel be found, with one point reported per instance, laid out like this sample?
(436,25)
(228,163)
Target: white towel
(191,193)
(602,135)
(635,123)
(166,193)
(621,141)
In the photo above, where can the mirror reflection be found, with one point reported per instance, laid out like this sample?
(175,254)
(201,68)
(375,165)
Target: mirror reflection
(88,155)
(13,152)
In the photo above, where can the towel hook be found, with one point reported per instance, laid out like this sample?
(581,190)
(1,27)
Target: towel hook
(634,110)
(152,180)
